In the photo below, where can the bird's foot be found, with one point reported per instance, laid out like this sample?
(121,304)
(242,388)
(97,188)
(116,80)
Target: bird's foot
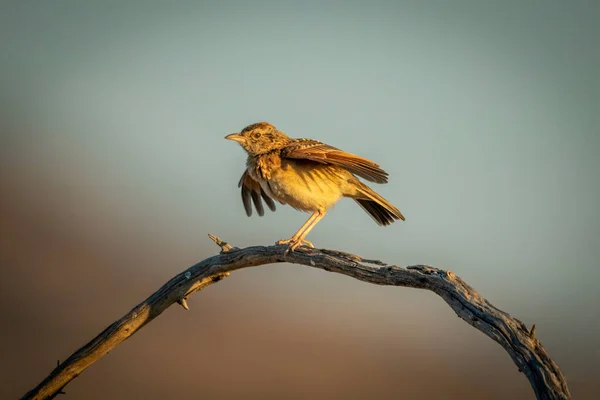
(293,244)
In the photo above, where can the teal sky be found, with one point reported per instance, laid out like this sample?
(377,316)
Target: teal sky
(485,114)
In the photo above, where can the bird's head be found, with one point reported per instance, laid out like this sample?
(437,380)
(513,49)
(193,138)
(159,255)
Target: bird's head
(260,138)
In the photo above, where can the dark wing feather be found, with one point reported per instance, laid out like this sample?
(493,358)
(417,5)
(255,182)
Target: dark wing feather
(252,193)
(322,153)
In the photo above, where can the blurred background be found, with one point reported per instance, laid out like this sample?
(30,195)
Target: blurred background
(114,170)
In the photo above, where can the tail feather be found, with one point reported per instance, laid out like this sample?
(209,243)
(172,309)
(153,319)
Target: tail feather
(381,210)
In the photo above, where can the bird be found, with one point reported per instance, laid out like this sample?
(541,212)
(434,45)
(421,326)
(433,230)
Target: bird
(307,175)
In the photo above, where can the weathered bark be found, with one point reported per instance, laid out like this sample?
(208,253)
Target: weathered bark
(519,342)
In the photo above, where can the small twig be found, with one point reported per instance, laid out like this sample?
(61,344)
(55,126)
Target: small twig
(532,331)
(183,303)
(225,247)
(519,342)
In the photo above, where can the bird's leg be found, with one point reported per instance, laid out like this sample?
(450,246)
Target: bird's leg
(298,239)
(310,226)
(300,231)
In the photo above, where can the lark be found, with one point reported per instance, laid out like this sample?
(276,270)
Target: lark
(307,175)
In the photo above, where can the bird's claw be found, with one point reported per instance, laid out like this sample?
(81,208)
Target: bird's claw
(293,244)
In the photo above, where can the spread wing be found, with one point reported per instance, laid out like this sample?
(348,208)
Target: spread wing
(252,193)
(313,150)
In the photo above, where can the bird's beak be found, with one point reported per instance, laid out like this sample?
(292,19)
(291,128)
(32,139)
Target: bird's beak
(237,137)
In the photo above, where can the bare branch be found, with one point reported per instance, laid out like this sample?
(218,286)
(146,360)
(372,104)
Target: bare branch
(519,342)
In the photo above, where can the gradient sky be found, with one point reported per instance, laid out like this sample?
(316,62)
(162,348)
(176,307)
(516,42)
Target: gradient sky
(485,114)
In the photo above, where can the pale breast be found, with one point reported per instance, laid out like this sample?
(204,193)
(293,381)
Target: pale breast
(306,186)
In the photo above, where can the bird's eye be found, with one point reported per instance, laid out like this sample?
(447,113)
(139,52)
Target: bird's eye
(256,135)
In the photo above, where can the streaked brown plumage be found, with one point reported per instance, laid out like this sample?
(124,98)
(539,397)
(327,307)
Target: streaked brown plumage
(307,175)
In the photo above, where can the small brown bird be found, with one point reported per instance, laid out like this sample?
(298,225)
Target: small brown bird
(308,175)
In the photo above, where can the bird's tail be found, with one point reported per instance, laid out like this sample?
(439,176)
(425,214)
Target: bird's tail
(381,210)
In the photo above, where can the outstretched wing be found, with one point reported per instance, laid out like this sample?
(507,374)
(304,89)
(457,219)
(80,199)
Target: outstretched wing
(313,150)
(252,193)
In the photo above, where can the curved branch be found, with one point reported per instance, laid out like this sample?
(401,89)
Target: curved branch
(519,342)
